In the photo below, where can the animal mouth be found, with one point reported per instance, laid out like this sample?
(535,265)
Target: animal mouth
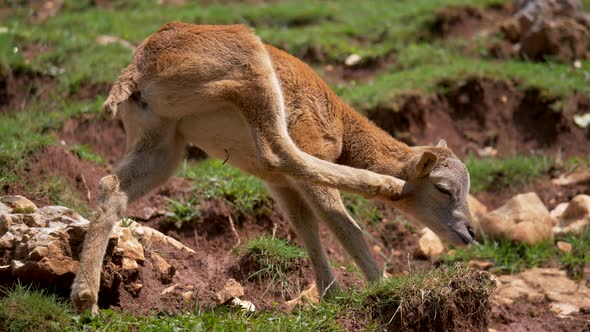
(466,238)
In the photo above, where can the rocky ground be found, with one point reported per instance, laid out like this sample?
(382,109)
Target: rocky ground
(525,138)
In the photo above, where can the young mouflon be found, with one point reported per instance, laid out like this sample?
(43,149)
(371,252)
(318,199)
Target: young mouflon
(222,89)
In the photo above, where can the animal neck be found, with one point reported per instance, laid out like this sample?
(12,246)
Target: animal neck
(367,146)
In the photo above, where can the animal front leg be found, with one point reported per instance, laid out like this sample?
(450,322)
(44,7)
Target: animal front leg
(110,208)
(139,172)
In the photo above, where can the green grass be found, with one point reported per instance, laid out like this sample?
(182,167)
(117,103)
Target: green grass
(418,297)
(23,309)
(58,191)
(83,152)
(182,212)
(244,192)
(509,257)
(271,258)
(495,173)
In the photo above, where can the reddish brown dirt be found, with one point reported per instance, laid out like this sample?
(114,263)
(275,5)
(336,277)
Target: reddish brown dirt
(467,21)
(19,86)
(90,90)
(361,72)
(480,112)
(103,135)
(527,317)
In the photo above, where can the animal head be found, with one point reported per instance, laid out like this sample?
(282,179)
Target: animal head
(438,184)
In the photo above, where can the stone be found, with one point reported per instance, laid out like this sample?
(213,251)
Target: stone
(5,223)
(107,40)
(557,212)
(188,295)
(579,175)
(38,253)
(564,246)
(480,265)
(33,220)
(478,210)
(523,218)
(576,217)
(245,305)
(230,290)
(130,245)
(352,60)
(169,289)
(5,209)
(59,266)
(307,296)
(164,269)
(129,264)
(149,236)
(19,204)
(563,309)
(429,246)
(7,241)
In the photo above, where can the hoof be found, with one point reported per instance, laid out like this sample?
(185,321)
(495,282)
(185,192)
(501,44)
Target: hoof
(109,184)
(85,300)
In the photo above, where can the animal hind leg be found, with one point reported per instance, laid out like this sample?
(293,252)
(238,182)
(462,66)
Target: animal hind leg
(327,204)
(305,225)
(149,162)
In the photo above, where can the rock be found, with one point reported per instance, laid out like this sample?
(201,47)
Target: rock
(579,175)
(576,217)
(557,212)
(164,269)
(107,40)
(352,60)
(307,296)
(38,253)
(7,241)
(478,210)
(563,309)
(129,264)
(523,218)
(564,246)
(5,209)
(188,295)
(231,290)
(44,246)
(429,246)
(563,38)
(169,290)
(245,305)
(19,204)
(480,265)
(149,236)
(130,245)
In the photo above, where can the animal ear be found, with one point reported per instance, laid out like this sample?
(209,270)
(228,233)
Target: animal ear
(442,144)
(425,164)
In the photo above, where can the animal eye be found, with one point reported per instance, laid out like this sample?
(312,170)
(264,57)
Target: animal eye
(443,190)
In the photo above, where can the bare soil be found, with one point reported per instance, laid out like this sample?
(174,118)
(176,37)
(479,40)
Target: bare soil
(479,112)
(19,86)
(467,21)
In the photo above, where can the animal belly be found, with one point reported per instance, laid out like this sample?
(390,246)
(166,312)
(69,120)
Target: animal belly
(224,134)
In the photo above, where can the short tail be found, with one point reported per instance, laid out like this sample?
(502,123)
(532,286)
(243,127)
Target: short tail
(124,87)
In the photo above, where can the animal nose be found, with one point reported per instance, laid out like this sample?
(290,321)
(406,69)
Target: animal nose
(471,232)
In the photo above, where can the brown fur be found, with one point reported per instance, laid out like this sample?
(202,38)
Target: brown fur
(222,89)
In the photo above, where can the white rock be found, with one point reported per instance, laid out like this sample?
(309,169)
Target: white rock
(245,305)
(352,60)
(576,217)
(230,290)
(523,218)
(429,246)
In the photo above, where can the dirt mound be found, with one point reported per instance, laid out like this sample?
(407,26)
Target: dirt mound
(103,135)
(18,86)
(89,90)
(466,21)
(480,112)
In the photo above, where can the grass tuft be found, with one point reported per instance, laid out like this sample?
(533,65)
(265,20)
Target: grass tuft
(446,298)
(23,309)
(270,257)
